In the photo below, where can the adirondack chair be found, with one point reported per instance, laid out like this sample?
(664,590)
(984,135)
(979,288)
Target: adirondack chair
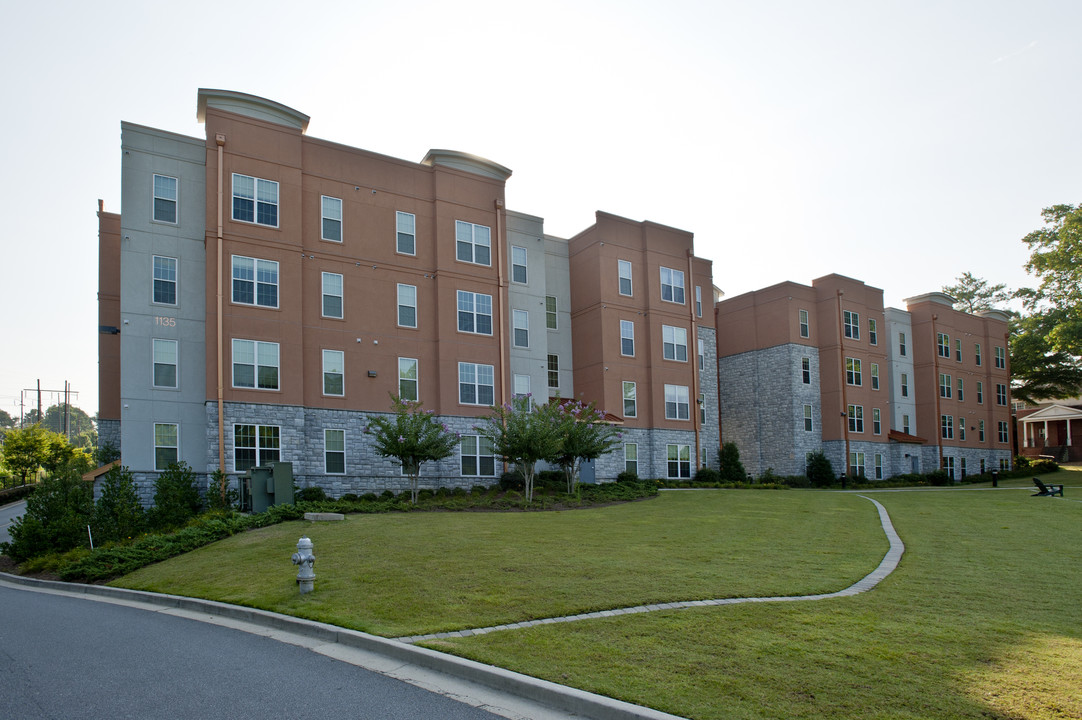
(1046,490)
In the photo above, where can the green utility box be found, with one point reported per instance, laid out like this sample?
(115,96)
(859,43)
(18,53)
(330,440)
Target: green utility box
(268,485)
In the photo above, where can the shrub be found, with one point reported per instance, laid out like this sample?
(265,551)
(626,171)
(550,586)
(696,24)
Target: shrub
(512,480)
(219,495)
(1021,462)
(369,497)
(459,492)
(1044,466)
(707,475)
(478,490)
(55,520)
(106,453)
(627,476)
(387,495)
(353,497)
(820,472)
(550,480)
(939,478)
(16,493)
(796,481)
(176,498)
(118,514)
(312,494)
(730,467)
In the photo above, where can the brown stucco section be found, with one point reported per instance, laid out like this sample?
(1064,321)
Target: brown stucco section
(108,314)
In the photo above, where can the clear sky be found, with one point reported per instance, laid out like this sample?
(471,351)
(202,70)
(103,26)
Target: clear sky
(900,143)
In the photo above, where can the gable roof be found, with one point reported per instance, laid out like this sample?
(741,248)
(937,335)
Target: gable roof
(1053,412)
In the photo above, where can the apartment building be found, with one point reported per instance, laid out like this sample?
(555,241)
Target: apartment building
(828,368)
(263,293)
(644,343)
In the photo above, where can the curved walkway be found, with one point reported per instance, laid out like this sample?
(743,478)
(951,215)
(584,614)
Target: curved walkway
(886,567)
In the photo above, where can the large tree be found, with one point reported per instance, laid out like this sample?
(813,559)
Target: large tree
(583,435)
(6,421)
(412,436)
(973,294)
(523,434)
(27,449)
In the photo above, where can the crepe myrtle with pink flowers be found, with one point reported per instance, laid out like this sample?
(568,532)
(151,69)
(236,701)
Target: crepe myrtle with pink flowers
(411,436)
(583,435)
(523,434)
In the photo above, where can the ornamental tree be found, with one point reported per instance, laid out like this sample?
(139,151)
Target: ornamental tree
(523,435)
(583,435)
(411,436)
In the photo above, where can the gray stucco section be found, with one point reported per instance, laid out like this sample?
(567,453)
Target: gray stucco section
(652,452)
(109,432)
(762,407)
(147,152)
(710,432)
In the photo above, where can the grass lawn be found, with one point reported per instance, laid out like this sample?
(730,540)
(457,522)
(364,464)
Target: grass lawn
(981,620)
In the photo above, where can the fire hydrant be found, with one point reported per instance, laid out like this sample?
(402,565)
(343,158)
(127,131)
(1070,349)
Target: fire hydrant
(306,578)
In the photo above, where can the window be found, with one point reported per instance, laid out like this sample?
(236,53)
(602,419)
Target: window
(674,343)
(474,313)
(901,344)
(477,456)
(905,385)
(166,445)
(255,200)
(672,285)
(255,445)
(165,363)
(1004,464)
(554,372)
(961,390)
(521,386)
(702,408)
(944,385)
(962,462)
(334,452)
(518,264)
(856,418)
(852,371)
(977,353)
(677,404)
(255,282)
(961,428)
(702,355)
(878,466)
(407,379)
(905,424)
(631,458)
(550,312)
(699,300)
(805,329)
(856,464)
(980,392)
(476,384)
(946,427)
(875,376)
(1001,358)
(631,406)
(165,199)
(405,233)
(948,465)
(851,321)
(679,461)
(807,418)
(1002,431)
(520,322)
(980,430)
(255,364)
(332,295)
(873,334)
(473,243)
(958,350)
(877,422)
(407,306)
(165,280)
(331,211)
(982,466)
(1001,394)
(805,370)
(943,345)
(623,269)
(627,338)
(334,369)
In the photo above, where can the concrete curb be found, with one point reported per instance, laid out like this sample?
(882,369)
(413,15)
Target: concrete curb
(564,699)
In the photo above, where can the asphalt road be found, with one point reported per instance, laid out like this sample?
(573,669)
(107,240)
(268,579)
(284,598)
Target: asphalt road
(65,657)
(7,514)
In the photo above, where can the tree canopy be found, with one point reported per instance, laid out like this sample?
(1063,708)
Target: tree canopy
(973,294)
(412,436)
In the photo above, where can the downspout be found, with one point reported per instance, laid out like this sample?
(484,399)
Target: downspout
(500,269)
(935,381)
(219,139)
(841,379)
(697,421)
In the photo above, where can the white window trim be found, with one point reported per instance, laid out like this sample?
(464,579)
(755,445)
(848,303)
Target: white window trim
(473,312)
(803,323)
(341,297)
(549,371)
(673,285)
(255,365)
(620,265)
(399,305)
(341,356)
(154,279)
(154,199)
(416,380)
(634,397)
(323,216)
(259,459)
(473,243)
(680,451)
(524,264)
(154,439)
(635,460)
(674,331)
(678,392)
(255,201)
(518,316)
(255,282)
(699,300)
(477,384)
(326,452)
(154,363)
(476,456)
(554,313)
(631,336)
(399,216)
